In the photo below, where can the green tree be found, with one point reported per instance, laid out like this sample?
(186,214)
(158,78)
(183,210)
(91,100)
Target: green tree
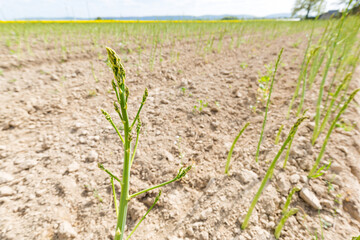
(308,6)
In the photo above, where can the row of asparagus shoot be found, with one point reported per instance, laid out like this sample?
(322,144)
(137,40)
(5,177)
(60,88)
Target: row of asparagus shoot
(328,50)
(335,47)
(314,172)
(270,171)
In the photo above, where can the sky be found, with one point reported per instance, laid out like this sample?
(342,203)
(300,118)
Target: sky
(20,9)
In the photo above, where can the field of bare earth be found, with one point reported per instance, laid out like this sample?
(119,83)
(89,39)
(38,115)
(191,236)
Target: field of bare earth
(201,93)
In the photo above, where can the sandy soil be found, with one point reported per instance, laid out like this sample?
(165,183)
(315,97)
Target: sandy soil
(52,135)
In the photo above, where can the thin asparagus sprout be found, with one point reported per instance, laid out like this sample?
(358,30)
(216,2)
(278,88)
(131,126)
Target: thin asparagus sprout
(107,116)
(318,159)
(147,212)
(232,148)
(329,108)
(302,71)
(287,153)
(311,54)
(337,72)
(289,148)
(114,195)
(121,106)
(318,62)
(283,220)
(138,128)
(182,172)
(108,172)
(278,134)
(267,106)
(321,171)
(270,171)
(288,199)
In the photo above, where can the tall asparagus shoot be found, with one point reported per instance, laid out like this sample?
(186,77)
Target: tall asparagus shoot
(288,199)
(286,213)
(289,148)
(330,107)
(270,171)
(121,107)
(320,55)
(232,148)
(278,134)
(267,106)
(302,72)
(311,54)
(283,220)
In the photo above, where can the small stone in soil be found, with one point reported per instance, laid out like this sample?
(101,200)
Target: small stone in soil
(295,178)
(164,101)
(5,177)
(283,183)
(310,198)
(204,236)
(247,176)
(66,231)
(93,156)
(6,191)
(82,140)
(73,167)
(54,77)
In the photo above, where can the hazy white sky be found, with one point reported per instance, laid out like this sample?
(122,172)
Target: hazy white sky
(15,9)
